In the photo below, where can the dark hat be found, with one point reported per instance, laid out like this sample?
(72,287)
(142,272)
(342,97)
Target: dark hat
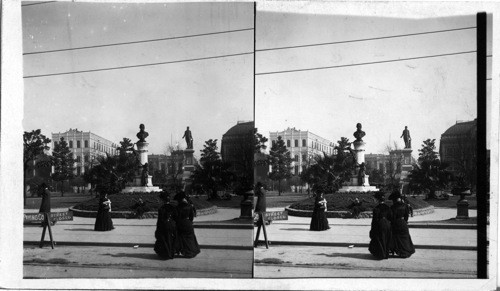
(43,185)
(164,196)
(379,195)
(179,196)
(395,195)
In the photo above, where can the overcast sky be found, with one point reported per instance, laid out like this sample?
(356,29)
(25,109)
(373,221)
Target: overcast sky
(210,96)
(427,95)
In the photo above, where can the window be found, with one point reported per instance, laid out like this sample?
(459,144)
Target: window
(304,143)
(304,158)
(296,143)
(78,171)
(78,144)
(86,158)
(274,142)
(86,143)
(296,158)
(296,170)
(287,143)
(70,144)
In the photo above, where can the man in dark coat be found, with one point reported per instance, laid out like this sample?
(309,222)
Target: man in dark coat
(45,205)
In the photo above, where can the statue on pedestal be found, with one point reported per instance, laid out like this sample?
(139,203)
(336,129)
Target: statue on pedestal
(406,137)
(359,134)
(141,135)
(189,138)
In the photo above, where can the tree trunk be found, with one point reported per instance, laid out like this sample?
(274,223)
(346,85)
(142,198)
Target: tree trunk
(62,188)
(279,187)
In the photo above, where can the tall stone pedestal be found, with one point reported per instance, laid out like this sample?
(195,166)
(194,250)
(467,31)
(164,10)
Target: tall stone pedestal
(136,185)
(353,184)
(188,170)
(404,157)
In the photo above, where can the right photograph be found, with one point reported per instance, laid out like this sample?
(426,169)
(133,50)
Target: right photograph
(372,152)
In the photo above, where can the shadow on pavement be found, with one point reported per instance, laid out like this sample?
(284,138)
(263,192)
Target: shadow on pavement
(294,229)
(79,229)
(363,256)
(146,256)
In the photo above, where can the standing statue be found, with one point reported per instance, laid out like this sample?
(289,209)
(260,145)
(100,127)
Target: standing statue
(141,135)
(189,138)
(406,137)
(361,174)
(144,175)
(359,134)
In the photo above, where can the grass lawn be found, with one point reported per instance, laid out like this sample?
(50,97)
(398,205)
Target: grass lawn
(56,201)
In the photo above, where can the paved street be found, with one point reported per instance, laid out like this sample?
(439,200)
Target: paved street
(443,250)
(127,251)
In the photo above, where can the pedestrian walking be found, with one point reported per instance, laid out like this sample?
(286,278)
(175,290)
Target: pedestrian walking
(380,232)
(402,243)
(45,205)
(103,220)
(188,244)
(166,243)
(319,221)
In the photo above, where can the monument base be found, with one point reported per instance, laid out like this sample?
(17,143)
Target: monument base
(131,189)
(347,189)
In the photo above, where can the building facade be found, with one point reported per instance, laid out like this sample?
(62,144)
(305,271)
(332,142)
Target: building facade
(379,162)
(86,147)
(458,148)
(303,146)
(237,148)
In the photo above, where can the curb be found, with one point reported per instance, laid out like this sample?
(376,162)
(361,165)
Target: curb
(129,214)
(347,214)
(364,245)
(131,245)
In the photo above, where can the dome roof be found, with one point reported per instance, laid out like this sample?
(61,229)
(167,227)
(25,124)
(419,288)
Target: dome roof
(242,128)
(461,128)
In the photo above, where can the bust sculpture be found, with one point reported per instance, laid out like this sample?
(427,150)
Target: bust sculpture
(141,135)
(359,134)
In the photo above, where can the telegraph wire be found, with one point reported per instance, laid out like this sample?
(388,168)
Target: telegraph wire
(367,63)
(137,66)
(38,3)
(367,39)
(138,41)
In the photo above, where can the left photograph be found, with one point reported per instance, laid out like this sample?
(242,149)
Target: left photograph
(138,140)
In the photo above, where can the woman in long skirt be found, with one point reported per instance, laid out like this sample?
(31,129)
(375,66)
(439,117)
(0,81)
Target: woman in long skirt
(188,245)
(103,220)
(380,232)
(319,221)
(403,245)
(166,233)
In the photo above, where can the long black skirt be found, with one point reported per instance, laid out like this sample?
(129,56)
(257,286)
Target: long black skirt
(402,244)
(319,221)
(166,241)
(381,239)
(188,245)
(103,221)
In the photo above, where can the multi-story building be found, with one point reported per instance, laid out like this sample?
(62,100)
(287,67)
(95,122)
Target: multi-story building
(303,146)
(237,148)
(458,145)
(377,162)
(86,147)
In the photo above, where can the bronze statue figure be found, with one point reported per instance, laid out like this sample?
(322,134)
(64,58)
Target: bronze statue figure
(361,174)
(141,135)
(406,137)
(189,138)
(145,174)
(359,134)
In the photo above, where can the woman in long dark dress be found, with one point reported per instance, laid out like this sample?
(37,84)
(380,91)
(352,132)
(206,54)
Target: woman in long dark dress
(402,243)
(318,220)
(188,245)
(166,232)
(380,232)
(103,220)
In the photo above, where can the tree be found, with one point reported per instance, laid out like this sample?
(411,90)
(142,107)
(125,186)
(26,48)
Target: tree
(280,161)
(394,169)
(128,162)
(212,173)
(429,173)
(106,175)
(63,162)
(344,162)
(35,144)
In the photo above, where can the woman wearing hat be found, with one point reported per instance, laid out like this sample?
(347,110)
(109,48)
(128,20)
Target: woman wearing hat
(319,221)
(380,233)
(188,245)
(402,244)
(166,233)
(103,220)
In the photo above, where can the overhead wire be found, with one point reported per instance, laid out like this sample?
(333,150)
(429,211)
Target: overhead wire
(138,41)
(365,63)
(136,66)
